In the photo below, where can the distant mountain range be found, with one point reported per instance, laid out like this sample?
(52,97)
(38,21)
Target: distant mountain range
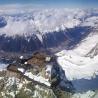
(23,31)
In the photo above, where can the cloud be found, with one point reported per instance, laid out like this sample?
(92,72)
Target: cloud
(30,20)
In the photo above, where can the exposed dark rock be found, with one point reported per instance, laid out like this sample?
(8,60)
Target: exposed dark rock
(12,67)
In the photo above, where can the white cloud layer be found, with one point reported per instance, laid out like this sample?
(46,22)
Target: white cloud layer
(27,21)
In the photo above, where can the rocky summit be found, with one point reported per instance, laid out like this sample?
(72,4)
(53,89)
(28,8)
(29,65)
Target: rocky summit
(37,75)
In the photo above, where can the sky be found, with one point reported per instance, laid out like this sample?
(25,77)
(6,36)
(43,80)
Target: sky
(54,3)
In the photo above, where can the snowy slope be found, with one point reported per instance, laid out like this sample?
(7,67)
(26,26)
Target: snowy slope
(76,63)
(3,66)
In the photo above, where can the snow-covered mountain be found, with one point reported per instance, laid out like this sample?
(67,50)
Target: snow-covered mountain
(80,65)
(30,30)
(74,30)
